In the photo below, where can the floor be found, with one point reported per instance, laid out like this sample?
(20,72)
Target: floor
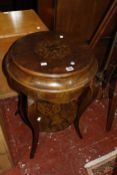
(63,152)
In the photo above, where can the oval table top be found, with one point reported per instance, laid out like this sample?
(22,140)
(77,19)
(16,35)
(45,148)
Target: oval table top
(50,53)
(50,62)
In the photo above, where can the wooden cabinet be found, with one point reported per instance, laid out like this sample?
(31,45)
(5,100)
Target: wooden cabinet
(77,17)
(47,12)
(80,18)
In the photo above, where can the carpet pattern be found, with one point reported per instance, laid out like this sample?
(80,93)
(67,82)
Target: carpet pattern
(61,152)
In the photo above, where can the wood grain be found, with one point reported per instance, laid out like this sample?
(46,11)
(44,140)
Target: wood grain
(76,17)
(17,23)
(53,70)
(14,25)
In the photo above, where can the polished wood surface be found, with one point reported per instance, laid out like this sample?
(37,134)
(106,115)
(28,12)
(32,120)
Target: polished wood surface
(55,50)
(17,23)
(46,11)
(13,26)
(50,67)
(50,71)
(80,18)
(72,16)
(5,90)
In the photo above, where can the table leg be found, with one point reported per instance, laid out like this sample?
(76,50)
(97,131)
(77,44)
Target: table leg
(22,108)
(85,99)
(77,125)
(33,118)
(29,116)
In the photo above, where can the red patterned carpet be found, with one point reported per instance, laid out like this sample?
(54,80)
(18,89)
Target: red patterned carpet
(60,153)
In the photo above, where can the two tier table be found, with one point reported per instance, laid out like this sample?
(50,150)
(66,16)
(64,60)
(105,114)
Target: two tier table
(51,72)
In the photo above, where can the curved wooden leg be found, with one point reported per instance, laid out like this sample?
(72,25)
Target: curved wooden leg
(80,105)
(29,116)
(34,120)
(76,125)
(22,108)
(18,106)
(86,98)
(112,104)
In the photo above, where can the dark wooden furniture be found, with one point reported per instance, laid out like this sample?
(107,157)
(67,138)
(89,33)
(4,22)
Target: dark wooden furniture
(52,74)
(72,16)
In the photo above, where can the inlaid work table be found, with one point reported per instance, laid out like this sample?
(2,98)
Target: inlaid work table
(52,74)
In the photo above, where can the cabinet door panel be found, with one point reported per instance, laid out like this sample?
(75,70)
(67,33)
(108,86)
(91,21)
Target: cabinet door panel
(79,17)
(46,12)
